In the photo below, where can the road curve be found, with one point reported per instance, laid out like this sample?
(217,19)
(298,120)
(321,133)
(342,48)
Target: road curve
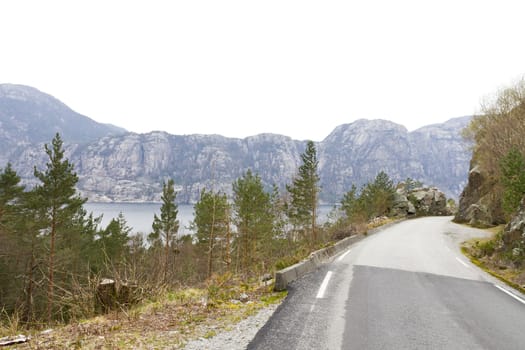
(407,287)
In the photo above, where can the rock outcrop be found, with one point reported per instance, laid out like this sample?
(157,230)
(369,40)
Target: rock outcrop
(479,203)
(420,202)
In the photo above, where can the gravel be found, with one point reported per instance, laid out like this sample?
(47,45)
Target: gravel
(238,337)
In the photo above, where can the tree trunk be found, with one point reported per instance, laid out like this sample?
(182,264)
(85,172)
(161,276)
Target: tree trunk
(28,312)
(50,288)
(314,216)
(166,256)
(227,255)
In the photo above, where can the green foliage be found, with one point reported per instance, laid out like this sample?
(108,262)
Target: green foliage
(304,191)
(60,210)
(211,223)
(350,204)
(486,248)
(114,240)
(512,179)
(166,227)
(377,197)
(254,219)
(10,189)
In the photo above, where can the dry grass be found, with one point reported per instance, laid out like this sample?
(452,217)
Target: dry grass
(167,322)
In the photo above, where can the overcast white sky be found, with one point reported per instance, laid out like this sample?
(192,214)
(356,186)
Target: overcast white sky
(240,68)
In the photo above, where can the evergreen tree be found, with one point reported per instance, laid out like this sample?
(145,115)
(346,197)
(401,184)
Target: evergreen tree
(211,223)
(512,179)
(58,204)
(253,218)
(166,227)
(378,196)
(350,203)
(10,192)
(12,247)
(302,209)
(114,241)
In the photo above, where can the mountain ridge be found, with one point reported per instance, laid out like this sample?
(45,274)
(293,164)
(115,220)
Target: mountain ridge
(130,166)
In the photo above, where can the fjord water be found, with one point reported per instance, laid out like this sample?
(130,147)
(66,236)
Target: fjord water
(139,216)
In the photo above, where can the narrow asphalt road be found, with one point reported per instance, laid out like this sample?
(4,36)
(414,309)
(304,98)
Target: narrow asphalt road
(407,287)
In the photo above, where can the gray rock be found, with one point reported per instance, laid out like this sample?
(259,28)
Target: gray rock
(420,201)
(479,204)
(515,229)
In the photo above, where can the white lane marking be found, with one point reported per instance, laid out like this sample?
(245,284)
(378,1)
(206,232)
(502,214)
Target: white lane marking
(322,289)
(462,262)
(511,294)
(312,308)
(343,256)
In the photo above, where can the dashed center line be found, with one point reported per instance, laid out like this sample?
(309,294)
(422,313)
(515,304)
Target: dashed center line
(509,293)
(462,262)
(322,289)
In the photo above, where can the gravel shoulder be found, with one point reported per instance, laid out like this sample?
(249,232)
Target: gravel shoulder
(238,336)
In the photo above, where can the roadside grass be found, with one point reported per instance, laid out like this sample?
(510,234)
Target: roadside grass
(168,320)
(483,252)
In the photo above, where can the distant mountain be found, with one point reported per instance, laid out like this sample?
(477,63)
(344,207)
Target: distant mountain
(116,166)
(28,115)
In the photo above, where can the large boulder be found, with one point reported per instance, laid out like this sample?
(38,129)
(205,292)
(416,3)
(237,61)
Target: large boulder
(429,202)
(401,204)
(420,201)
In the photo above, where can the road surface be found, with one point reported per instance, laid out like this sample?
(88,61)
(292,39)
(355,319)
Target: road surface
(407,287)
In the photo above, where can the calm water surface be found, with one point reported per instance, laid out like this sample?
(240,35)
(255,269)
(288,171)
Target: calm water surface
(139,216)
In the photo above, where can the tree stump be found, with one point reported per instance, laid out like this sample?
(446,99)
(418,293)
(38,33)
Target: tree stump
(106,298)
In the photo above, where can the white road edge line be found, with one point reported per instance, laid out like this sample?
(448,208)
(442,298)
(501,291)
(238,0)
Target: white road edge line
(343,256)
(509,293)
(322,289)
(462,262)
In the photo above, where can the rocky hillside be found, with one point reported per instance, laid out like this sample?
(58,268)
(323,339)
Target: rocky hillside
(131,167)
(29,116)
(354,153)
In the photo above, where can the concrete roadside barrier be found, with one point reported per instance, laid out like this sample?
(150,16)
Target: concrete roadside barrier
(318,258)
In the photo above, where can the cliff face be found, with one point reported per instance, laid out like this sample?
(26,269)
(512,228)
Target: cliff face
(132,166)
(354,153)
(117,166)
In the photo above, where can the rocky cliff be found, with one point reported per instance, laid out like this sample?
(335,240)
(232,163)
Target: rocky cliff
(436,155)
(116,166)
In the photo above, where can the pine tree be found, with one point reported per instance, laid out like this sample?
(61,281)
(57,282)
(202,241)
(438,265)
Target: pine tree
(58,204)
(304,191)
(377,196)
(13,250)
(211,223)
(253,218)
(166,227)
(350,203)
(113,241)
